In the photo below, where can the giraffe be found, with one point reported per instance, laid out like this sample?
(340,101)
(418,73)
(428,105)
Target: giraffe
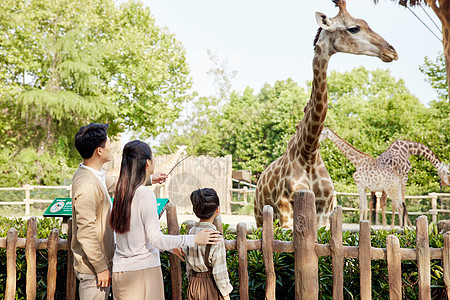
(370,175)
(396,157)
(167,166)
(301,167)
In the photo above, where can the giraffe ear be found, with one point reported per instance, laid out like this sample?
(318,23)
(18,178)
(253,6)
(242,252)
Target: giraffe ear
(323,21)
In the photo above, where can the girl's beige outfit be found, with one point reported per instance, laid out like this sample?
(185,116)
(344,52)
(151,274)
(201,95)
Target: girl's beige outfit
(136,264)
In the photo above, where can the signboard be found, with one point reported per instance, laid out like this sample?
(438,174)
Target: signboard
(62,207)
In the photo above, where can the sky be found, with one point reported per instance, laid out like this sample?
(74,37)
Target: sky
(265,41)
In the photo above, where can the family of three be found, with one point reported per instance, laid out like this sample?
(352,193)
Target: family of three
(118,243)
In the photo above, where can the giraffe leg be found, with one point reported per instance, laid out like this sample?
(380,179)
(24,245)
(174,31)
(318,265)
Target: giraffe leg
(362,204)
(407,221)
(383,201)
(257,207)
(284,208)
(372,207)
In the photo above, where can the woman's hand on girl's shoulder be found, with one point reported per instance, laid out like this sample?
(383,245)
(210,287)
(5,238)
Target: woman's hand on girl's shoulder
(208,236)
(179,253)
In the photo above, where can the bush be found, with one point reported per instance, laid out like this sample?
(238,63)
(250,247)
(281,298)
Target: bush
(284,265)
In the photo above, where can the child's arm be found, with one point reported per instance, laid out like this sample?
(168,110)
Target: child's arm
(220,272)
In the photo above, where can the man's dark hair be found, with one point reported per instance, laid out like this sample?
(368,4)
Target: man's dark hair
(89,138)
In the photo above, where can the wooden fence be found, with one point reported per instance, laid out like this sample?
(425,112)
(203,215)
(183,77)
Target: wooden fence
(433,198)
(305,247)
(27,200)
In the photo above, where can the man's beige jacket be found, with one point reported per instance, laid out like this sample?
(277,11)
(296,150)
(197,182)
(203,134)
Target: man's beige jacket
(92,236)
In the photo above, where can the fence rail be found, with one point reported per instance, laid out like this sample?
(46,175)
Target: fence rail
(306,257)
(28,201)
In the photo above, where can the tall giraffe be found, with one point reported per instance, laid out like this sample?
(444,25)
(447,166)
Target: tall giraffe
(396,157)
(301,166)
(370,175)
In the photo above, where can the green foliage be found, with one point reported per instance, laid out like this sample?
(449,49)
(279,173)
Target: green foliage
(64,64)
(436,73)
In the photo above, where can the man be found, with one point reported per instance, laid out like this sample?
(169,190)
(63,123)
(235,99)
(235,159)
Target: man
(92,237)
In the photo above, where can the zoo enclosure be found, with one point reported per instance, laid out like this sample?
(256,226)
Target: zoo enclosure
(305,247)
(434,198)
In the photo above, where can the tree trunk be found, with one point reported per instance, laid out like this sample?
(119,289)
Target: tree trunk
(443,13)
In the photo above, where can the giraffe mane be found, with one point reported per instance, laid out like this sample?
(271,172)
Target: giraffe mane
(317,36)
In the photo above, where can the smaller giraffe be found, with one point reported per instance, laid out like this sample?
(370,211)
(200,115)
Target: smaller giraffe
(167,166)
(369,175)
(396,157)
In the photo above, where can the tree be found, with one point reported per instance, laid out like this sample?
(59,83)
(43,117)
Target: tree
(442,10)
(436,73)
(66,63)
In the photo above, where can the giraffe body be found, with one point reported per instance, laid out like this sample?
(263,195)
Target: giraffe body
(301,167)
(372,176)
(396,158)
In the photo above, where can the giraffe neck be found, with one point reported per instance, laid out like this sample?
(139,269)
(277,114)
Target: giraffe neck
(168,165)
(354,155)
(422,150)
(307,136)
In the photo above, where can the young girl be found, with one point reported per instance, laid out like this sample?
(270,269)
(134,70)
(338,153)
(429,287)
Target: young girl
(136,265)
(206,265)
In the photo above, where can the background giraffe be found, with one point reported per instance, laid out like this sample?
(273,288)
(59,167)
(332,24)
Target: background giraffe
(370,175)
(301,166)
(166,167)
(396,157)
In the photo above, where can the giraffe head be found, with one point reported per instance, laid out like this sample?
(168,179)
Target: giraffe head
(343,33)
(326,133)
(182,149)
(442,170)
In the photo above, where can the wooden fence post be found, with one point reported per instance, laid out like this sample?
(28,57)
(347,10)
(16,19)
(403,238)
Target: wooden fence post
(423,257)
(337,253)
(305,239)
(446,262)
(378,207)
(433,207)
(218,223)
(30,254)
(365,263)
(175,267)
(52,263)
(394,261)
(241,245)
(27,199)
(334,199)
(11,255)
(71,281)
(267,251)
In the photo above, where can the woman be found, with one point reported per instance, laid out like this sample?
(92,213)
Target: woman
(136,264)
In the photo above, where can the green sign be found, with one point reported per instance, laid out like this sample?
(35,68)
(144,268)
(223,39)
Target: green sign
(62,207)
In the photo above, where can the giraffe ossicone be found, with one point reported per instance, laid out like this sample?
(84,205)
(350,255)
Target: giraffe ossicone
(301,166)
